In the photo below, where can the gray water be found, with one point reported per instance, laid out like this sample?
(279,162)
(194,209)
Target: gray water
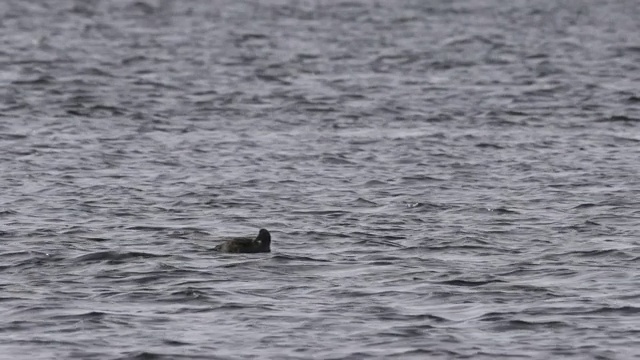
(442,179)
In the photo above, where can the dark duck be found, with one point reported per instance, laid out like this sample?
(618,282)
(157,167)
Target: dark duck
(260,244)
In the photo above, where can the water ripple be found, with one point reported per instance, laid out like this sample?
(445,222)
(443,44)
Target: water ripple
(441,179)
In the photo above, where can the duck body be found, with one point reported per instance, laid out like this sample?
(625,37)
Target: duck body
(260,244)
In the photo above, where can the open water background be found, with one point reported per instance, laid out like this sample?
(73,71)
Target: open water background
(442,179)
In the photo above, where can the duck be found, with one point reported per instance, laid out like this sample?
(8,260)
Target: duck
(260,244)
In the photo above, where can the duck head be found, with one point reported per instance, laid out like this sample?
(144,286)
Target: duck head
(264,238)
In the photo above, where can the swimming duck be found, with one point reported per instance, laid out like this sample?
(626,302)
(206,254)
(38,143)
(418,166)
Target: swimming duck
(262,243)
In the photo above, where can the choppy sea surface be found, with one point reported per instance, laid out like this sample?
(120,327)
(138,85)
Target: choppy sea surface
(441,179)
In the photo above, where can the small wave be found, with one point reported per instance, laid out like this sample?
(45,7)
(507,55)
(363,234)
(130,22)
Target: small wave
(336,160)
(602,252)
(364,203)
(489,146)
(374,183)
(496,316)
(36,259)
(383,242)
(188,294)
(502,211)
(6,233)
(621,310)
(283,257)
(421,177)
(530,325)
(584,206)
(41,80)
(96,238)
(329,213)
(175,342)
(86,316)
(145,355)
(13,136)
(619,118)
(419,317)
(469,283)
(116,256)
(147,228)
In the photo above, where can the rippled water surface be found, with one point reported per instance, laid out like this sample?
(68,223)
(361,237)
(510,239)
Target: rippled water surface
(442,179)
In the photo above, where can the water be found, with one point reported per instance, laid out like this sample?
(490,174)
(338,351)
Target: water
(442,180)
